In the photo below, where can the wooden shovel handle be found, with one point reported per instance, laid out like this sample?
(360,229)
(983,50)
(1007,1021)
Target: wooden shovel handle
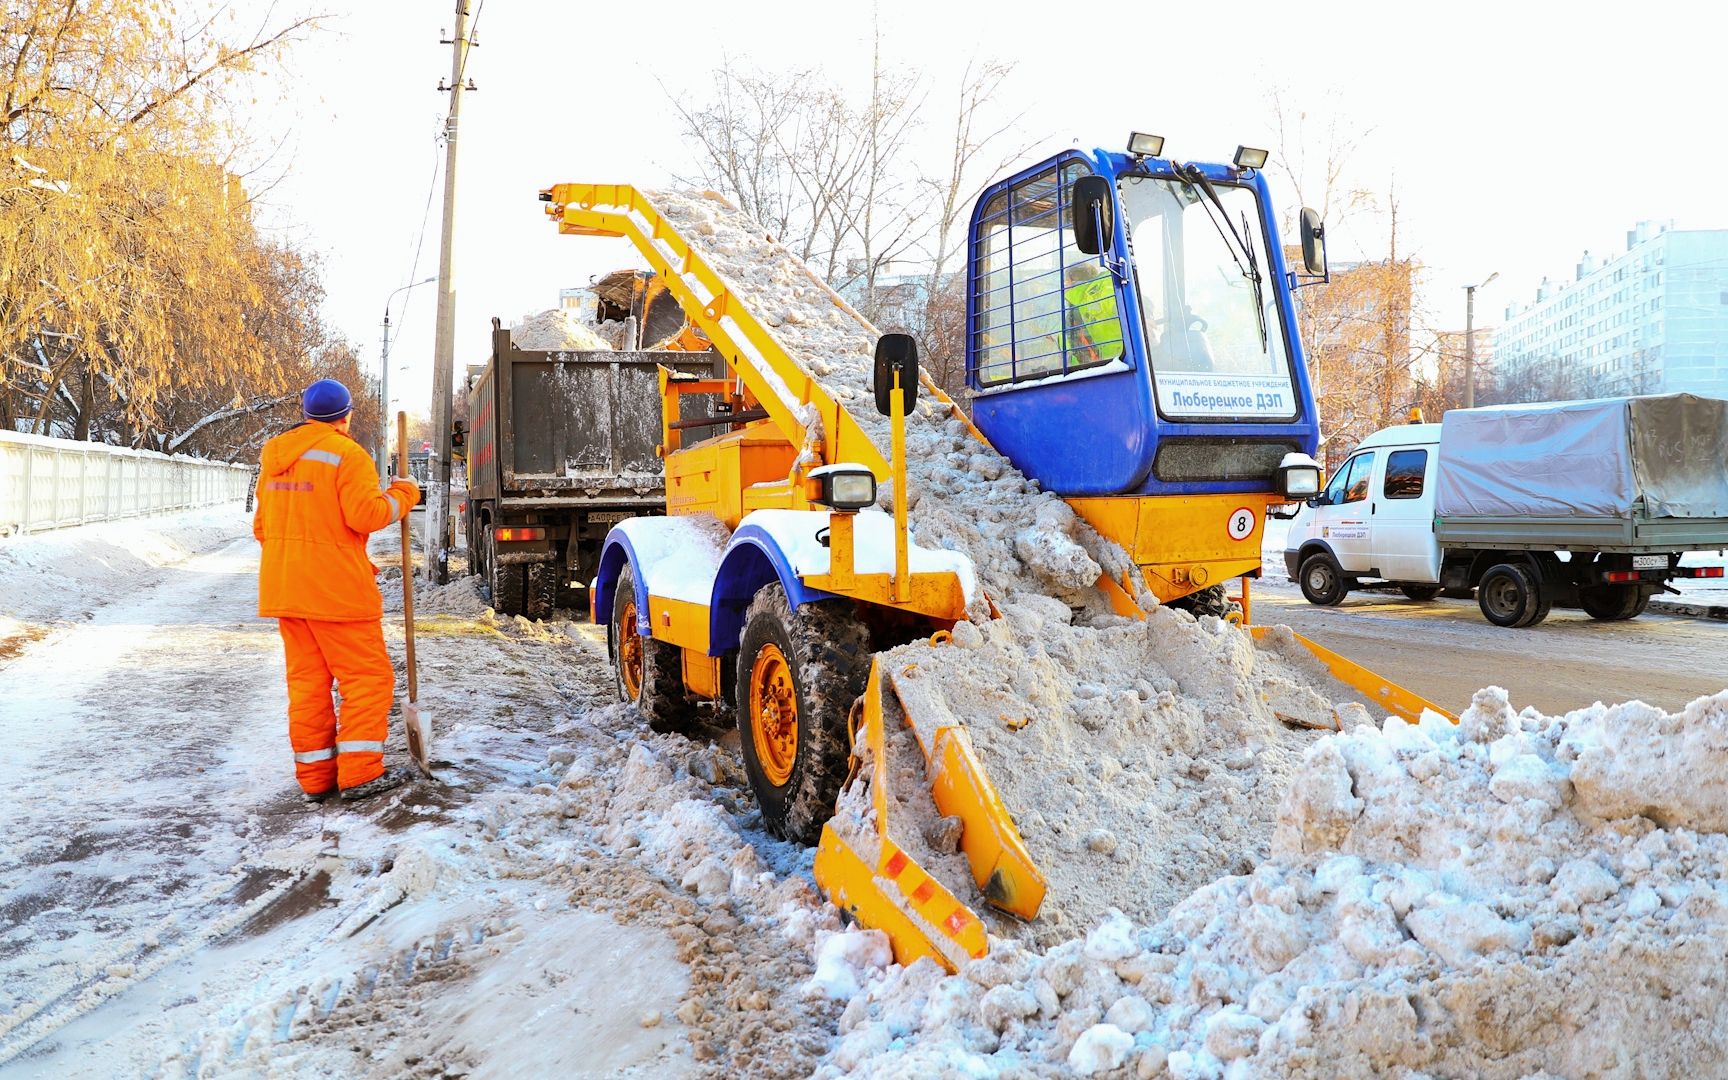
(407,560)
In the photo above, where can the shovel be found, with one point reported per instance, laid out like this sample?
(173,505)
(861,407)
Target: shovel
(418,723)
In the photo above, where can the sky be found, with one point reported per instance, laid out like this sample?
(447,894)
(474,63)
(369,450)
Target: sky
(1514,136)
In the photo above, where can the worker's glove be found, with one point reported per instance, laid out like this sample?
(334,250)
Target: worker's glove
(406,489)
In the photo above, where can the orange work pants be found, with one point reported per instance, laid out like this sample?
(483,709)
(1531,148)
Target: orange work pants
(330,751)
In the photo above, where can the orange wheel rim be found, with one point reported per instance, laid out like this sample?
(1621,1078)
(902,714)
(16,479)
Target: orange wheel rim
(773,714)
(630,651)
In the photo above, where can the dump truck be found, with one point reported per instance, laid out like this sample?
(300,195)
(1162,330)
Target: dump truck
(1132,347)
(1573,504)
(560,447)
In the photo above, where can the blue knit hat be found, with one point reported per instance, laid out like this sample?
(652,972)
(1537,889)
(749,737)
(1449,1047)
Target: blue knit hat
(326,400)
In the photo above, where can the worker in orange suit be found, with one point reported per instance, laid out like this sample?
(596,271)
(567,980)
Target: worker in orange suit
(318,499)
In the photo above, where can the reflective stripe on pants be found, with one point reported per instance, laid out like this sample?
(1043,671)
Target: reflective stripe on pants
(352,656)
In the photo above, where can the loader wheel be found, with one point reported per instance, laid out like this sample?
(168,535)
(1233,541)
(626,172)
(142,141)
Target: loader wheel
(1608,604)
(1322,580)
(1420,593)
(798,674)
(1511,595)
(649,673)
(1213,600)
(509,587)
(542,599)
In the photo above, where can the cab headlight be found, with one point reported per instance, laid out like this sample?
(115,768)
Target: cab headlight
(842,487)
(1298,476)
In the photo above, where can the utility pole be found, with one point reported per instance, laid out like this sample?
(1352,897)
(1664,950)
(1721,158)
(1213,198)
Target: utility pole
(444,347)
(1470,339)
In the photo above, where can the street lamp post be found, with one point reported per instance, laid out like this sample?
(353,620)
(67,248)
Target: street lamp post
(1470,339)
(384,383)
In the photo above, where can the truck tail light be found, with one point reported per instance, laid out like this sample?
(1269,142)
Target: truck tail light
(1621,575)
(521,534)
(1701,571)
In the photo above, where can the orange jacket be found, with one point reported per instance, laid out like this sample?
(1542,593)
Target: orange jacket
(318,499)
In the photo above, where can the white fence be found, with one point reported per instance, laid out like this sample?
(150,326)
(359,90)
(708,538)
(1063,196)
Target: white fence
(51,483)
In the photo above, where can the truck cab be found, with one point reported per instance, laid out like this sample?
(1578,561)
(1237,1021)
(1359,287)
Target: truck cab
(1375,519)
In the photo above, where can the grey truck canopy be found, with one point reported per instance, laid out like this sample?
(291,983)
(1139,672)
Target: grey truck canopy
(1664,456)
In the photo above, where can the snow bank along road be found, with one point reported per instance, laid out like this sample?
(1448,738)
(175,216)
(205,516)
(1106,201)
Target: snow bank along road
(1516,895)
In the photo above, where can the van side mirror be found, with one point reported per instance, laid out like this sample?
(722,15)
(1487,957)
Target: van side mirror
(1313,243)
(896,353)
(1093,220)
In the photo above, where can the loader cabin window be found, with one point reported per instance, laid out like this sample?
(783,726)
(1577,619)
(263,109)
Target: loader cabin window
(1208,301)
(1043,309)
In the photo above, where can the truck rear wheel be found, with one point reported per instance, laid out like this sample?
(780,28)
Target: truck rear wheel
(1606,603)
(1512,595)
(509,588)
(799,671)
(542,598)
(1322,580)
(647,672)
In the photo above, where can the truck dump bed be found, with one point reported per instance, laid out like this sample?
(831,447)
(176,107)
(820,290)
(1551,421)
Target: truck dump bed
(550,427)
(1613,474)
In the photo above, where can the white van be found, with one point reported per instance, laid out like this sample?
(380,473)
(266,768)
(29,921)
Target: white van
(1374,519)
(1583,504)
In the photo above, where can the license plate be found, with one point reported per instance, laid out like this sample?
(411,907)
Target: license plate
(1649,562)
(611,518)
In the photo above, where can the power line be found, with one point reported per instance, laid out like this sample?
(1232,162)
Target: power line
(420,241)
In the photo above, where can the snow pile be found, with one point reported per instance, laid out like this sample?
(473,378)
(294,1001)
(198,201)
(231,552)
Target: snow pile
(1515,895)
(1140,760)
(556,330)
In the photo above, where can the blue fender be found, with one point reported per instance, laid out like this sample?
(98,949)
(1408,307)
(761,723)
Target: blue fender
(754,559)
(614,556)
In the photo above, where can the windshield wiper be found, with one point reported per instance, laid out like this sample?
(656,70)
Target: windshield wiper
(1193,177)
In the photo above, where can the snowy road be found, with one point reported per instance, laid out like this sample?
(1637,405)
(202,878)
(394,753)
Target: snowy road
(1444,650)
(573,895)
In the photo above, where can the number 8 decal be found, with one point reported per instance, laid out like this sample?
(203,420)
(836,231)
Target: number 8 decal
(1241,525)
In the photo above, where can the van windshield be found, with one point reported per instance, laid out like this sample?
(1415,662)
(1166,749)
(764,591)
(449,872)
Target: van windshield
(1215,336)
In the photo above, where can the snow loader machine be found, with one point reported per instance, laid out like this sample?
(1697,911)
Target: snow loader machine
(1131,346)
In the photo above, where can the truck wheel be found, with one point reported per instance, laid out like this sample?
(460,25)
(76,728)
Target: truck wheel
(542,599)
(798,674)
(1605,603)
(1421,593)
(1322,580)
(509,590)
(1511,595)
(648,672)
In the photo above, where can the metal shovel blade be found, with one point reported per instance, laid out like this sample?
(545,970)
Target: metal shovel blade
(418,723)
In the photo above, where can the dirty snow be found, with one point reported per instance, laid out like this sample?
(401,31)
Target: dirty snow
(173,908)
(1507,897)
(557,330)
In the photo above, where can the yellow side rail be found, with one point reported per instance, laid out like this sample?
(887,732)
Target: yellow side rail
(1388,695)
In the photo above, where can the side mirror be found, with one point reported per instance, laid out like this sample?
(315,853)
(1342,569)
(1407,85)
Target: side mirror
(896,352)
(1093,220)
(1313,243)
